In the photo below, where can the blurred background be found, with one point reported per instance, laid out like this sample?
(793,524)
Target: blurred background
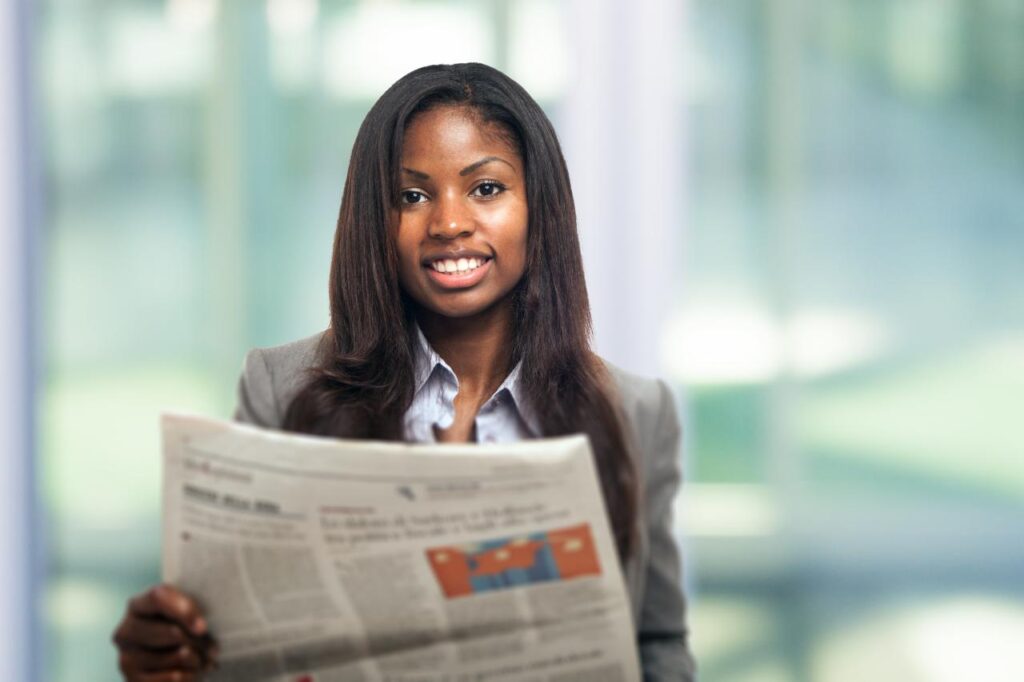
(808,215)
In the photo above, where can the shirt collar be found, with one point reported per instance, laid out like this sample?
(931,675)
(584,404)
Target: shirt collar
(428,361)
(514,387)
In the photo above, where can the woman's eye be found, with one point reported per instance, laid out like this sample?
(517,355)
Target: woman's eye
(411,196)
(489,189)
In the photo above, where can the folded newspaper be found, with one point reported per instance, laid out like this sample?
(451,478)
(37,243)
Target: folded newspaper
(325,560)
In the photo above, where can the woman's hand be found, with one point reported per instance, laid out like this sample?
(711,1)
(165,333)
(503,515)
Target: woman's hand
(163,637)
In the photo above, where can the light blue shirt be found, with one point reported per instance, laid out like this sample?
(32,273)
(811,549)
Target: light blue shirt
(506,416)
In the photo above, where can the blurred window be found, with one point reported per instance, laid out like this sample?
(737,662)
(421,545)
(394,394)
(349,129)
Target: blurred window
(850,337)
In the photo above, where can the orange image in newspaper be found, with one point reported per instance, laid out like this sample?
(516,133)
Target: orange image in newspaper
(502,563)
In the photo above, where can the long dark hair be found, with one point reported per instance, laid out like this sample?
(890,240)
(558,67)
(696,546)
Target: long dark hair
(363,383)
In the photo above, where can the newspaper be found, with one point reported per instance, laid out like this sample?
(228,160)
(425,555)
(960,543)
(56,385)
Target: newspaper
(323,560)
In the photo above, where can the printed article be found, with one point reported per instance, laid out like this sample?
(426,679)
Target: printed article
(326,560)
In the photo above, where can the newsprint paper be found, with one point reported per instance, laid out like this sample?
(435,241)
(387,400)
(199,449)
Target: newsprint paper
(324,560)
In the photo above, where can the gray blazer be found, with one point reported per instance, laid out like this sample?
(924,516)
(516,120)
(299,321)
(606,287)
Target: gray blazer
(272,376)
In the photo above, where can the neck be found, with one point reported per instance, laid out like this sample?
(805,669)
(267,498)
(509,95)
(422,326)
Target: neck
(477,348)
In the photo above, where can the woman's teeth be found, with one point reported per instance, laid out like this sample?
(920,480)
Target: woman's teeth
(460,265)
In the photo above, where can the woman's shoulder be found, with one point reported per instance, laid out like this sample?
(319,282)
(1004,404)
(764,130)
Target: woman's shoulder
(294,356)
(640,397)
(271,377)
(649,408)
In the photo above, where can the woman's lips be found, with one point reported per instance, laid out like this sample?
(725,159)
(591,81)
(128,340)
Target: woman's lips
(459,280)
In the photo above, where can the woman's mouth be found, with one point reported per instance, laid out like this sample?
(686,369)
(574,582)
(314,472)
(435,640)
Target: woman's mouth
(458,273)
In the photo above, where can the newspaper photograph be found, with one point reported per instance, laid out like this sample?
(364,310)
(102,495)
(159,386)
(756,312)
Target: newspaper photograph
(326,560)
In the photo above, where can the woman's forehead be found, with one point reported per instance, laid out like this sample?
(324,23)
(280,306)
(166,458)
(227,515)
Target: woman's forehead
(455,131)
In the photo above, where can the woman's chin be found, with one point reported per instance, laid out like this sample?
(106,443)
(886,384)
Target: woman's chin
(459,312)
(465,307)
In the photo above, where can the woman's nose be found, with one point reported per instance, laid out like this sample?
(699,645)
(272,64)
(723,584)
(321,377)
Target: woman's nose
(451,219)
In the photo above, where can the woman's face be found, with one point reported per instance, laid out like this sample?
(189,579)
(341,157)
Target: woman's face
(462,222)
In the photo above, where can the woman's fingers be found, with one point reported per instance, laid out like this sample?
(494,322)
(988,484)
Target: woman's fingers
(175,676)
(163,637)
(184,658)
(187,661)
(148,633)
(164,601)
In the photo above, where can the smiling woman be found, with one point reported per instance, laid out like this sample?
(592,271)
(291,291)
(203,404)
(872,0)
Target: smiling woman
(462,224)
(459,312)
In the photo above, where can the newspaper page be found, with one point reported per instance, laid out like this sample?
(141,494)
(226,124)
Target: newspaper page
(326,560)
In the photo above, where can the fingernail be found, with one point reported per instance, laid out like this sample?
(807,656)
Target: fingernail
(199,626)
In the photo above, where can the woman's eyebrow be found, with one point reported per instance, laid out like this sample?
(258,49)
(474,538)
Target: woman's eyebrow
(465,171)
(415,173)
(473,166)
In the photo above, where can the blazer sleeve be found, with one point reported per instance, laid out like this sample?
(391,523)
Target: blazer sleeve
(663,636)
(257,403)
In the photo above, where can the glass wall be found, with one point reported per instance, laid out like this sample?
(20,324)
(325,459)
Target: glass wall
(846,335)
(850,336)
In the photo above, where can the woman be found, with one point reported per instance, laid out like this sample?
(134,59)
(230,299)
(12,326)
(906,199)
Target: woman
(459,313)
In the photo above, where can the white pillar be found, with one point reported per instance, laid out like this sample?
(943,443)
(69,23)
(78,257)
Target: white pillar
(17,549)
(621,127)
